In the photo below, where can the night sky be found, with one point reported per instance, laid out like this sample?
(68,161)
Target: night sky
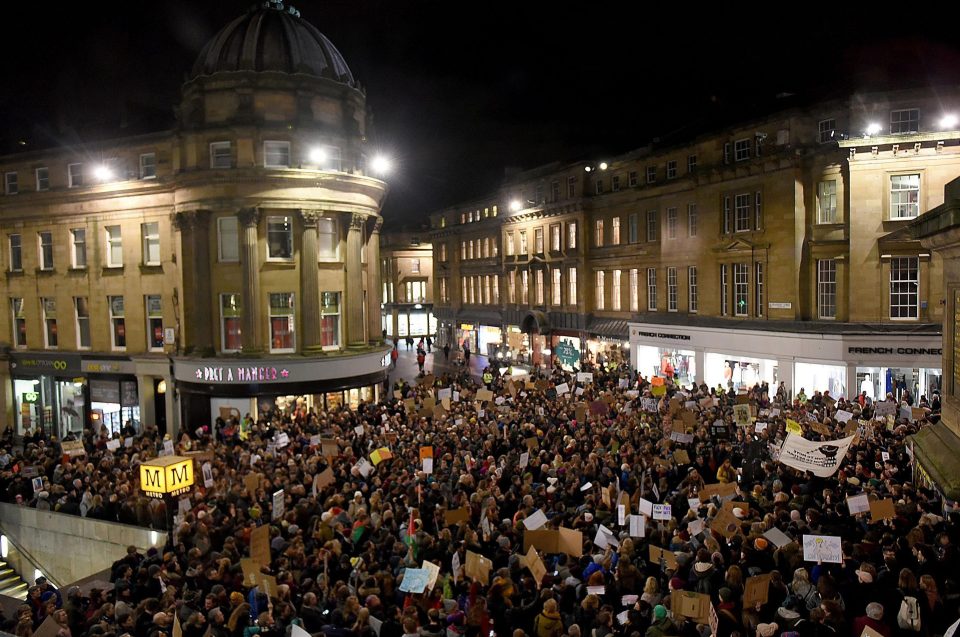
(459,91)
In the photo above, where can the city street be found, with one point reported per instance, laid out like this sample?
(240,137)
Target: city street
(435,364)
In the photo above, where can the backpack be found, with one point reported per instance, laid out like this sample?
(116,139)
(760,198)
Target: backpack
(909,616)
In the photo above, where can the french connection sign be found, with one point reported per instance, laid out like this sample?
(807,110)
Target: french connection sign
(171,475)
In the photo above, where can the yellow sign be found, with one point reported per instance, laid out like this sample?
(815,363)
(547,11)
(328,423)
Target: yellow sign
(466,327)
(171,475)
(794,427)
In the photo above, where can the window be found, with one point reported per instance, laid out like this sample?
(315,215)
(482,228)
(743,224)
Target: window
(904,287)
(904,121)
(555,240)
(539,287)
(523,242)
(415,266)
(511,287)
(442,252)
(524,287)
(495,288)
(571,187)
(19,322)
(757,210)
(651,174)
(279,237)
(632,178)
(330,319)
(510,245)
(221,155)
(741,286)
(651,289)
(724,290)
(228,239)
(758,288)
(415,291)
(48,308)
(538,241)
(114,247)
(827,288)
(598,233)
(16,253)
(615,183)
(282,322)
(634,290)
(45,241)
(230,323)
(10,185)
(727,216)
(556,286)
(444,292)
(671,223)
(150,233)
(82,311)
(78,253)
(154,311)
(904,196)
(598,186)
(601,300)
(538,198)
(328,158)
(671,289)
(672,169)
(826,130)
(148,166)
(276,154)
(74,175)
(633,227)
(118,327)
(827,201)
(691,164)
(572,285)
(555,191)
(572,235)
(742,212)
(691,219)
(741,149)
(651,225)
(615,292)
(692,288)
(615,231)
(43,179)
(727,153)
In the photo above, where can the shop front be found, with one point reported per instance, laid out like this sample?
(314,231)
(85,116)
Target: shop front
(489,339)
(844,364)
(567,350)
(233,388)
(62,393)
(410,321)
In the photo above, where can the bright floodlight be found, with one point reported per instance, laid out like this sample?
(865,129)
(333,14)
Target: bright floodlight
(317,155)
(873,128)
(603,165)
(381,164)
(948,122)
(102,173)
(515,205)
(587,168)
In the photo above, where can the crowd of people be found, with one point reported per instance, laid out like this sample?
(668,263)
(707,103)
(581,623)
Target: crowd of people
(361,516)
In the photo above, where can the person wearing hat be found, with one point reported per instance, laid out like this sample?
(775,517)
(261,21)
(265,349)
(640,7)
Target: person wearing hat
(661,626)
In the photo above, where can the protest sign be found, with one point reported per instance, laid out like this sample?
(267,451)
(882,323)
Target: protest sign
(662,556)
(858,504)
(882,510)
(820,458)
(756,590)
(822,548)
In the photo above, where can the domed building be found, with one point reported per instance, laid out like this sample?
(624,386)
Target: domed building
(225,267)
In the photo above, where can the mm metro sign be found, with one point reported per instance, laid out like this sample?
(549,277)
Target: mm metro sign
(171,475)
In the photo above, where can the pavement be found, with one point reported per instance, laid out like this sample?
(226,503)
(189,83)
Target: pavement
(435,364)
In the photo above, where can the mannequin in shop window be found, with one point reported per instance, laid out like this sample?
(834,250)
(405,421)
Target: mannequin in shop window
(666,367)
(727,374)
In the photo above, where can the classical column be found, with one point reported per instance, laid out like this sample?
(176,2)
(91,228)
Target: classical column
(250,262)
(194,227)
(354,288)
(309,282)
(374,325)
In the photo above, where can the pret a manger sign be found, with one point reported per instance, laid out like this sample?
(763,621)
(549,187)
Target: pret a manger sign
(171,475)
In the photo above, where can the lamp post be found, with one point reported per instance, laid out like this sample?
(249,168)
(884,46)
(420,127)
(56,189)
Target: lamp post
(167,477)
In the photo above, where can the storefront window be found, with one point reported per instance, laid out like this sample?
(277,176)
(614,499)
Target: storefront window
(418,324)
(55,406)
(877,382)
(813,377)
(738,371)
(680,365)
(489,339)
(114,404)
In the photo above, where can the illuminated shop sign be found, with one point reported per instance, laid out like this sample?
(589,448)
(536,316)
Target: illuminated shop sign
(907,351)
(241,374)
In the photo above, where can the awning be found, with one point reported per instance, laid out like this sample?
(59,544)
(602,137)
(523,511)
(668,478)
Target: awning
(613,328)
(937,451)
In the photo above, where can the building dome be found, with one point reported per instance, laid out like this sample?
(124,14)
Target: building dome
(272,37)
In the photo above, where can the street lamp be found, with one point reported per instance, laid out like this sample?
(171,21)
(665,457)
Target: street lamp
(165,478)
(948,122)
(381,164)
